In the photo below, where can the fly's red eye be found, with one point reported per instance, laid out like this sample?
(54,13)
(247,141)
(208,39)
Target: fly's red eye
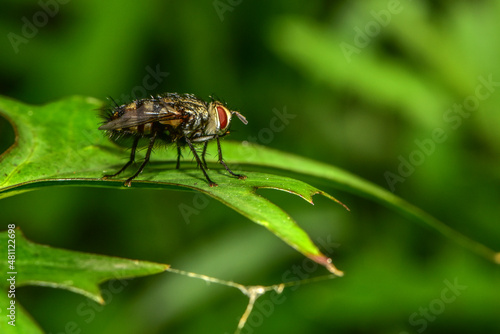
(222,117)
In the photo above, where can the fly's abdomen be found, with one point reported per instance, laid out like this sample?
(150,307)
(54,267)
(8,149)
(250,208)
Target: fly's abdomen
(143,129)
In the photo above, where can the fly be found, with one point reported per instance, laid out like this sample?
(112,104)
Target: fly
(171,118)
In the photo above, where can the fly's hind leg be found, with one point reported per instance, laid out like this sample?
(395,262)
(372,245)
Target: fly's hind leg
(145,162)
(130,161)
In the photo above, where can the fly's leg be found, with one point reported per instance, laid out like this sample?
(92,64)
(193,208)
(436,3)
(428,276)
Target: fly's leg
(203,155)
(221,161)
(145,162)
(179,154)
(200,164)
(131,160)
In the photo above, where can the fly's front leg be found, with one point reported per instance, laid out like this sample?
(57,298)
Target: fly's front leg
(221,161)
(203,154)
(200,164)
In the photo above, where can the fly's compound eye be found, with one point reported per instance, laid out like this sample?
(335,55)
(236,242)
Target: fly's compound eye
(223,120)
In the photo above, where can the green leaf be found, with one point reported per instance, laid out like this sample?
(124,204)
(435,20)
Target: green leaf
(78,272)
(59,144)
(40,265)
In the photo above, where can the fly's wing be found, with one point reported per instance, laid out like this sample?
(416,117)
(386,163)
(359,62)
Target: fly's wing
(142,115)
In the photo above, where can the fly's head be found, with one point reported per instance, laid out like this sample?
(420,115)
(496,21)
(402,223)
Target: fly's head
(220,118)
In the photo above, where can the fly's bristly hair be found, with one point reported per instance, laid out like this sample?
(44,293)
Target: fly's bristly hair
(169,118)
(107,110)
(215,98)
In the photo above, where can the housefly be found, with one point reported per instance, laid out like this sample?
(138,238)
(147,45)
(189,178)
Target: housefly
(171,118)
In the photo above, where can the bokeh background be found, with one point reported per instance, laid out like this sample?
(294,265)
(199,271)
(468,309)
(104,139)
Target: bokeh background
(369,82)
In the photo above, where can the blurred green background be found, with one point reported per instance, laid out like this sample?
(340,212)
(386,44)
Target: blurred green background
(368,82)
